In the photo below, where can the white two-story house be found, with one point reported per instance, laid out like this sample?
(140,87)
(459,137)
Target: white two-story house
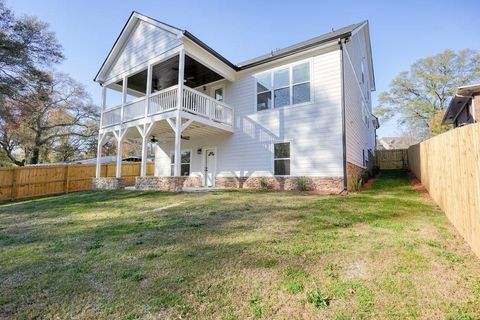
(300,113)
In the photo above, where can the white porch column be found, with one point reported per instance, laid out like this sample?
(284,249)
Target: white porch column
(124,97)
(143,165)
(101,136)
(103,104)
(149,89)
(98,168)
(119,153)
(145,133)
(178,122)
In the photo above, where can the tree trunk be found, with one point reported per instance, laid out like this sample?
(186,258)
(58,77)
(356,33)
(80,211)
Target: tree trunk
(34,159)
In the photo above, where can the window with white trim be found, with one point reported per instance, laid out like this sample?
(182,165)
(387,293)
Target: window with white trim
(285,86)
(184,163)
(281,159)
(365,115)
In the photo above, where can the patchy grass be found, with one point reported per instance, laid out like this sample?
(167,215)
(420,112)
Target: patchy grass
(387,252)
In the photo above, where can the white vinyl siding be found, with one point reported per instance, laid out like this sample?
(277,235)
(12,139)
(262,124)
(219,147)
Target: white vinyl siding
(145,42)
(360,132)
(314,129)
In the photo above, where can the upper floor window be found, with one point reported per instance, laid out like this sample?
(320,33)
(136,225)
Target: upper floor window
(218,94)
(284,86)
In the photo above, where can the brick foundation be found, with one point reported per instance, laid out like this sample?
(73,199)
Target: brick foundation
(172,184)
(354,172)
(317,184)
(108,183)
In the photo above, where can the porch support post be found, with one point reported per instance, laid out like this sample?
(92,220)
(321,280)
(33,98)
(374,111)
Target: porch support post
(124,97)
(98,168)
(103,104)
(101,136)
(149,89)
(119,136)
(145,132)
(178,122)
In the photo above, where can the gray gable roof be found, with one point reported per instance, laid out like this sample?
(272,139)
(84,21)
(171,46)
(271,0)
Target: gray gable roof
(341,33)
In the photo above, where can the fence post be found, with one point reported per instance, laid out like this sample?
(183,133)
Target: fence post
(14,184)
(67,177)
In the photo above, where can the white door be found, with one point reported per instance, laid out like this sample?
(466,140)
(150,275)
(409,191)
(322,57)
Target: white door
(210,167)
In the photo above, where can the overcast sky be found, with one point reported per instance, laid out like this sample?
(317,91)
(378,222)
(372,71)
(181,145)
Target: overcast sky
(401,31)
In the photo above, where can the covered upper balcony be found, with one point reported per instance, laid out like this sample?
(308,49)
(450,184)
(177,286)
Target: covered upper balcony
(153,94)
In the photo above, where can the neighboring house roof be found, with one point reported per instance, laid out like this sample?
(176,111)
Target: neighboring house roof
(459,101)
(390,143)
(111,159)
(103,160)
(274,55)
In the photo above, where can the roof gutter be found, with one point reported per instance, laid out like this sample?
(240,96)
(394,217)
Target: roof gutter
(209,49)
(295,51)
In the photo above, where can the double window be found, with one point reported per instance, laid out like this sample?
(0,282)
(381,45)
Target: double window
(283,87)
(184,163)
(281,159)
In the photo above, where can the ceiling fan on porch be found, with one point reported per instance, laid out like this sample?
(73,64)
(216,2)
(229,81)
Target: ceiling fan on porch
(185,137)
(153,139)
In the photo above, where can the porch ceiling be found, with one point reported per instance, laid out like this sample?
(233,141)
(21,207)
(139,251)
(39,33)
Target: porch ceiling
(165,74)
(164,133)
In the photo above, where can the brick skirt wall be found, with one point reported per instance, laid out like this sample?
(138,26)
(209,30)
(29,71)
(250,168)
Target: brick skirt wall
(322,185)
(108,183)
(354,172)
(325,185)
(166,183)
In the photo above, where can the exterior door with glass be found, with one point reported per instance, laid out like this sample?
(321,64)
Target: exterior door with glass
(210,167)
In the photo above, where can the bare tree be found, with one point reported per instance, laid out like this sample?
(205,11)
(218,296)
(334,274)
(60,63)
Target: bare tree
(55,109)
(26,47)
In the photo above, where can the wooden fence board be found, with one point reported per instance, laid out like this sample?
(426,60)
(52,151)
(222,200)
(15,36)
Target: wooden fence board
(34,181)
(391,159)
(448,166)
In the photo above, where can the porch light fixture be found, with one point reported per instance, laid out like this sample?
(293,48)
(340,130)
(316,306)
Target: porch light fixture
(199,151)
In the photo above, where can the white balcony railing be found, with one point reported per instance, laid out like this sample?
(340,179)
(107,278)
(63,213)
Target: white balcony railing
(163,101)
(112,116)
(166,100)
(203,105)
(134,110)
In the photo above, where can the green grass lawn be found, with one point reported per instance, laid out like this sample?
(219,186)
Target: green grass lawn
(387,252)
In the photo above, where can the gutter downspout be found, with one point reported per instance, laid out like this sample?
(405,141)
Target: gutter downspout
(344,136)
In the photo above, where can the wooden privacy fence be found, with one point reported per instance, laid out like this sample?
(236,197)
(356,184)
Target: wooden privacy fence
(448,166)
(34,181)
(391,159)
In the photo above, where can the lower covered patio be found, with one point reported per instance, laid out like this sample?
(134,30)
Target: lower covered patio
(154,138)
